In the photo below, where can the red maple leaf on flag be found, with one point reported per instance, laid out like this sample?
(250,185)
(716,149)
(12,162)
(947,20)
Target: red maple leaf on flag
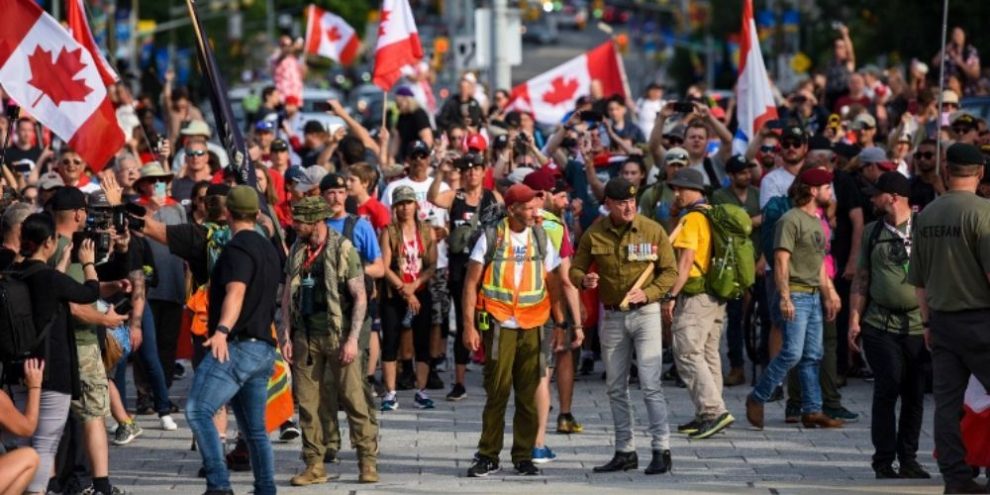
(382,21)
(333,34)
(56,78)
(561,91)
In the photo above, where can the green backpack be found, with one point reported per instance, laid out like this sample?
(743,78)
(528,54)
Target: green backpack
(733,265)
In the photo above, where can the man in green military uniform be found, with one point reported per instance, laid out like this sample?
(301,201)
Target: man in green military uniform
(624,245)
(885,307)
(949,263)
(323,308)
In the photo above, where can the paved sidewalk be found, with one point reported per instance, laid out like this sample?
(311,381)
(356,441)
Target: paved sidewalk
(428,452)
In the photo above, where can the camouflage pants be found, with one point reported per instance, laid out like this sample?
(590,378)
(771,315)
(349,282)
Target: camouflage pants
(94,398)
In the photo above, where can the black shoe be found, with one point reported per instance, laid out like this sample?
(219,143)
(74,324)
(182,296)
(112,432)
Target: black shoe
(239,459)
(406,381)
(680,383)
(527,468)
(587,366)
(621,461)
(913,470)
(670,374)
(689,427)
(289,431)
(886,472)
(660,463)
(433,381)
(778,394)
(968,486)
(218,492)
(202,472)
(330,457)
(178,371)
(457,392)
(483,466)
(633,374)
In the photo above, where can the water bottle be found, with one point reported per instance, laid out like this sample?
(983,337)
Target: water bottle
(306,295)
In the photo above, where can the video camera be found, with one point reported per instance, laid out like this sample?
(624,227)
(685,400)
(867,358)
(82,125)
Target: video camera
(100,218)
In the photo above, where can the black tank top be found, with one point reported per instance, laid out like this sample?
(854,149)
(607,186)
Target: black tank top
(460,212)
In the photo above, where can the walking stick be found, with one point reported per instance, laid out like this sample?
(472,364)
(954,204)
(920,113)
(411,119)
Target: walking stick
(624,305)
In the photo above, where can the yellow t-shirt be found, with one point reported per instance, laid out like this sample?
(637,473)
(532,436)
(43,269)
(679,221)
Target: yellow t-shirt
(696,234)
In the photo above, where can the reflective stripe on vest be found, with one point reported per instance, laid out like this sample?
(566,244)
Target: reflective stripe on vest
(528,302)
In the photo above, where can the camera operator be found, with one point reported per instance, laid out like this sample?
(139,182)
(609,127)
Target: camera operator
(93,403)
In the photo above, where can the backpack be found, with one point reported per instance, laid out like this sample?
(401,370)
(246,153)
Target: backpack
(19,338)
(463,237)
(732,269)
(492,238)
(772,211)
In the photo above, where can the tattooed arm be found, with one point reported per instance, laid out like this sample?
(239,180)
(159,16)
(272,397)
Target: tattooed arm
(349,350)
(138,300)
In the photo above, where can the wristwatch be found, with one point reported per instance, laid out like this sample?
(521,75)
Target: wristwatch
(668,297)
(564,325)
(223,329)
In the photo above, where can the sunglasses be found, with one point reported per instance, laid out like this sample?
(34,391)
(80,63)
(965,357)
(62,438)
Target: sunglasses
(675,140)
(770,149)
(962,129)
(417,156)
(928,155)
(195,152)
(792,144)
(67,161)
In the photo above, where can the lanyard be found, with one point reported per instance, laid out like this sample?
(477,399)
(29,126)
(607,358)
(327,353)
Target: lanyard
(313,254)
(905,238)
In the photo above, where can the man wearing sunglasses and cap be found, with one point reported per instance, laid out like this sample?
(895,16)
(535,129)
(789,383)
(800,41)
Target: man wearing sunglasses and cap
(657,202)
(624,246)
(793,151)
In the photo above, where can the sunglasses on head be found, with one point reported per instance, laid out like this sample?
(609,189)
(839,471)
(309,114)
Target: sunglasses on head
(195,152)
(770,149)
(791,143)
(928,155)
(677,157)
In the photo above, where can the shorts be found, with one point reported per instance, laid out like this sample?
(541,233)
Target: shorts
(550,357)
(94,397)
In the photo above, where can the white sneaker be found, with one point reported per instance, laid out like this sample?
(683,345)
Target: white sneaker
(168,424)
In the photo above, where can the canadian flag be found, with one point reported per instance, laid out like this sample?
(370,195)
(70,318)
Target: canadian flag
(549,96)
(75,13)
(398,43)
(58,82)
(755,105)
(328,35)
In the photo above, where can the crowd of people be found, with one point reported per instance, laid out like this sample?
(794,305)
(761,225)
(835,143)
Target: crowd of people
(365,258)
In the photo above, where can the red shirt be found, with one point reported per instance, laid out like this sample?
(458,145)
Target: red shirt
(375,212)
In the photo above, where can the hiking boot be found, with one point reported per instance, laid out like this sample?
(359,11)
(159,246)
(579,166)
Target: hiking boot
(125,434)
(621,461)
(735,377)
(314,474)
(841,413)
(457,392)
(567,424)
(912,470)
(792,414)
(713,426)
(369,473)
(433,381)
(661,462)
(482,467)
(526,468)
(754,412)
(820,420)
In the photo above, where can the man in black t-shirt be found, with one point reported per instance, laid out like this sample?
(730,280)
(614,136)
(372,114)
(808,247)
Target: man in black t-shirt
(243,285)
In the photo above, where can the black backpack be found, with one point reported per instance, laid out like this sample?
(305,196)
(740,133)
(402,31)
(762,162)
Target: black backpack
(19,339)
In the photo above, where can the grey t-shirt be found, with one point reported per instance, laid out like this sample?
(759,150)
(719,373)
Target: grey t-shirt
(169,268)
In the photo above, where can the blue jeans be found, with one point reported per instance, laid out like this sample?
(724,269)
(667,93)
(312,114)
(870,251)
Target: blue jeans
(802,347)
(148,354)
(242,381)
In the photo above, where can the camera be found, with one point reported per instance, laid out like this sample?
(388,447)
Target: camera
(470,159)
(501,141)
(521,144)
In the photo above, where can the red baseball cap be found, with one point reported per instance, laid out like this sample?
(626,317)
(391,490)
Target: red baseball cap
(541,180)
(292,100)
(519,193)
(476,142)
(815,177)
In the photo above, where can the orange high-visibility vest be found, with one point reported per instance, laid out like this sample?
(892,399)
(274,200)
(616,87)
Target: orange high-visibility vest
(528,303)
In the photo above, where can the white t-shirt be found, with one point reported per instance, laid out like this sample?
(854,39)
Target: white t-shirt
(519,240)
(646,113)
(428,212)
(776,183)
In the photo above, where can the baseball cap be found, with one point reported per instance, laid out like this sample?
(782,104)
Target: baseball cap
(815,177)
(892,183)
(418,147)
(619,189)
(864,121)
(404,91)
(794,131)
(676,155)
(688,178)
(736,164)
(293,173)
(67,198)
(313,127)
(196,128)
(962,117)
(332,181)
(519,175)
(49,181)
(676,131)
(292,100)
(876,155)
(962,154)
(518,193)
(477,142)
(541,180)
(243,199)
(310,179)
(264,126)
(280,145)
(403,194)
(950,96)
